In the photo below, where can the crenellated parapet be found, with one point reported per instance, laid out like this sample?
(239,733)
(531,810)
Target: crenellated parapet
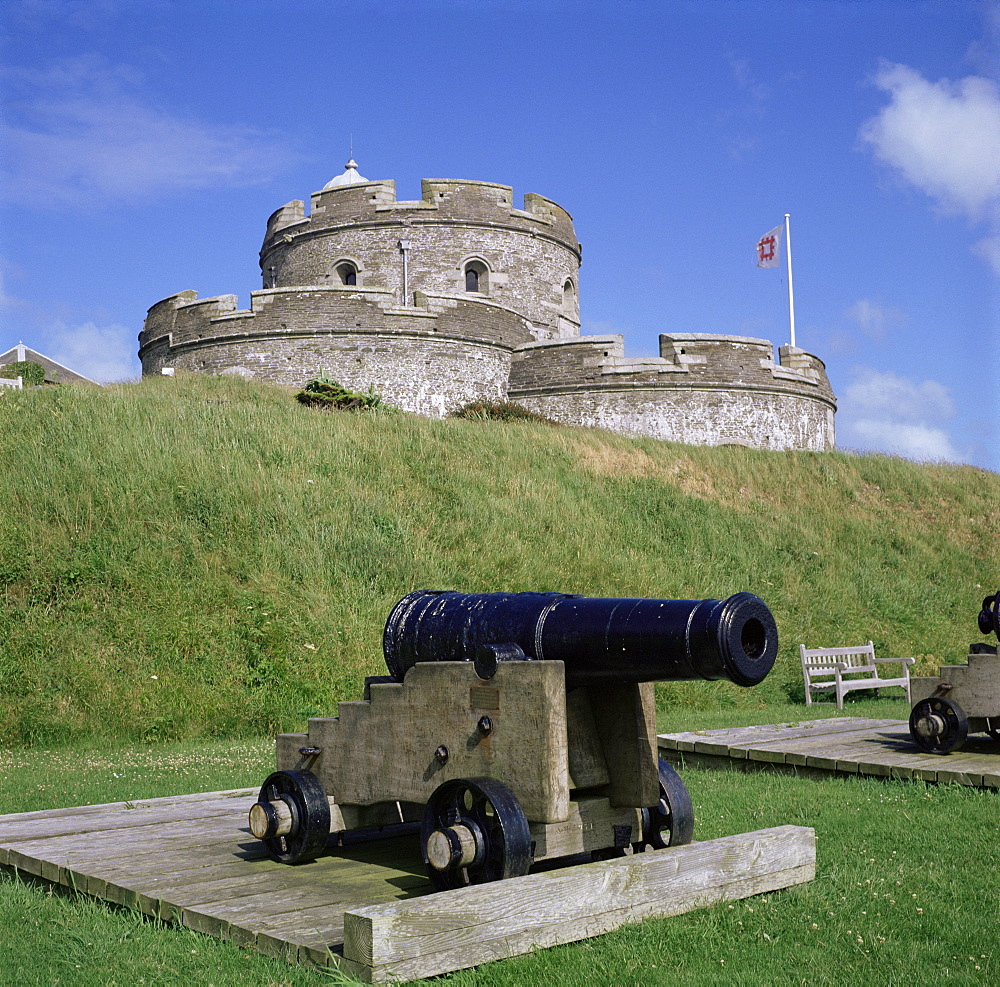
(442,200)
(704,388)
(524,258)
(427,358)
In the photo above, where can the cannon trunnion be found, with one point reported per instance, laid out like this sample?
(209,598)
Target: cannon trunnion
(514,729)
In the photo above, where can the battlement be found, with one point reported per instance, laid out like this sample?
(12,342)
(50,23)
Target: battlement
(185,320)
(696,360)
(446,200)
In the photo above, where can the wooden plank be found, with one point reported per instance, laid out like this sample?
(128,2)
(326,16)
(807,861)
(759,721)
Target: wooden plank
(154,803)
(114,844)
(737,741)
(121,816)
(625,715)
(591,826)
(427,936)
(587,766)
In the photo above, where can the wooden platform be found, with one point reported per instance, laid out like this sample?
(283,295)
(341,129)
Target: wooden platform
(365,907)
(846,745)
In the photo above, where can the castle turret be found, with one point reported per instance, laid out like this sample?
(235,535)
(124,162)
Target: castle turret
(462,238)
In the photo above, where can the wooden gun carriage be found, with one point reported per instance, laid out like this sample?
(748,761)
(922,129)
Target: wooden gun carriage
(962,698)
(514,728)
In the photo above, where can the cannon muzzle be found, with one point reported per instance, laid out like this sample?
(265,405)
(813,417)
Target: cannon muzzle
(599,640)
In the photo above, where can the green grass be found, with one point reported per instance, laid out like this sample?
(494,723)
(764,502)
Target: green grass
(192,565)
(905,888)
(205,557)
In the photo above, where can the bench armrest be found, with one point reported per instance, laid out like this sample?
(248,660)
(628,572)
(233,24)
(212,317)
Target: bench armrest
(833,668)
(905,661)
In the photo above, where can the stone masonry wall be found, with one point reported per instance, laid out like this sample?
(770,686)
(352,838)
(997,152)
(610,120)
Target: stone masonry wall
(705,389)
(530,254)
(427,359)
(696,416)
(419,373)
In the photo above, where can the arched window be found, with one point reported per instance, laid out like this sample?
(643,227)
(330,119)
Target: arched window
(477,277)
(347,273)
(569,296)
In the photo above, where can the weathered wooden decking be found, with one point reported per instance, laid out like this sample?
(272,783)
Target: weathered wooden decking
(364,907)
(847,745)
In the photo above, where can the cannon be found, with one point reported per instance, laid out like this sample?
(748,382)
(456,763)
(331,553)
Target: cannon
(513,728)
(962,699)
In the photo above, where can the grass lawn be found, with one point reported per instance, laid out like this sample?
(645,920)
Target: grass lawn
(905,887)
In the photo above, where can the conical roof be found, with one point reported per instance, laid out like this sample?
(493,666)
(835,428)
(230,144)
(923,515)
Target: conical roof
(349,177)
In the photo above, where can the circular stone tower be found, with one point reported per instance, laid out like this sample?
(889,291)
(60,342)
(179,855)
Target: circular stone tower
(425,300)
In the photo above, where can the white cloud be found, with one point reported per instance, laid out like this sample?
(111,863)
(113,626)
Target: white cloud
(102,353)
(989,250)
(875,319)
(920,442)
(884,412)
(81,133)
(943,137)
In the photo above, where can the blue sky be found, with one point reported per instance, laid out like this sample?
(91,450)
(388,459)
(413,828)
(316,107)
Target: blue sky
(145,142)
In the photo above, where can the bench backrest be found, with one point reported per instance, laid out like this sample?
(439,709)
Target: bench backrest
(818,659)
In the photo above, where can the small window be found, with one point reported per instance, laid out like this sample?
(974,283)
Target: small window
(348,273)
(569,296)
(476,277)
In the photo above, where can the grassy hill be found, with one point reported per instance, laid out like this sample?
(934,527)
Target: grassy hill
(205,557)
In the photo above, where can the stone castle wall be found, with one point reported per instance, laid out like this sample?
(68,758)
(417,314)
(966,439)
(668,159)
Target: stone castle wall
(436,345)
(428,358)
(703,389)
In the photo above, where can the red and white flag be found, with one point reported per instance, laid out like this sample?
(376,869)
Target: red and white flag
(769,248)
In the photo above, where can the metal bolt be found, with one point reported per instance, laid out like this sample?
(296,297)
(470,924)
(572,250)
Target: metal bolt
(441,754)
(485,726)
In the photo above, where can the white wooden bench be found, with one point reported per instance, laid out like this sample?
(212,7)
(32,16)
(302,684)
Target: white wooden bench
(842,669)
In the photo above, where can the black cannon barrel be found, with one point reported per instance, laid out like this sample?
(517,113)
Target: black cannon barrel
(600,640)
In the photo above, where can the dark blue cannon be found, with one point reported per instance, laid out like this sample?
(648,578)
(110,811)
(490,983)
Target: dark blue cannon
(599,640)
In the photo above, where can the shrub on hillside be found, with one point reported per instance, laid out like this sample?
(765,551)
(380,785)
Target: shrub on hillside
(500,411)
(32,374)
(326,393)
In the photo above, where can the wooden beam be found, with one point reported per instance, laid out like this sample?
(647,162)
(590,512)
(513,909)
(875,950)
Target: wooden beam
(423,937)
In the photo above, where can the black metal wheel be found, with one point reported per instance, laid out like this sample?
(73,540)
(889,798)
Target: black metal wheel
(291,816)
(989,616)
(938,725)
(671,821)
(474,832)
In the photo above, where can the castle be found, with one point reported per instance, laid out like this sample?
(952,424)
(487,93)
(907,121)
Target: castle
(460,296)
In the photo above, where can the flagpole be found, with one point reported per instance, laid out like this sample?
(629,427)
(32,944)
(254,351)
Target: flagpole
(791,299)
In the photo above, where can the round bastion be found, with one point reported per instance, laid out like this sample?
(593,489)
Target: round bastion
(461,296)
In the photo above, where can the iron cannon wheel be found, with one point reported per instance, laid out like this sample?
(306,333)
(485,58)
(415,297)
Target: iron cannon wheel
(938,725)
(989,616)
(302,792)
(475,831)
(671,821)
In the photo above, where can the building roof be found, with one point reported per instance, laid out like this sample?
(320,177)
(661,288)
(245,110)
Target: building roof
(55,373)
(349,177)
